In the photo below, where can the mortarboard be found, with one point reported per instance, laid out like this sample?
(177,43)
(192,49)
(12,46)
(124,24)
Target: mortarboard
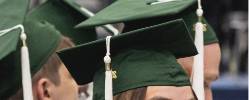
(132,10)
(64,15)
(39,51)
(10,19)
(135,54)
(10,22)
(142,13)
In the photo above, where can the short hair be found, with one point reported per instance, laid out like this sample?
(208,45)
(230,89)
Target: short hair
(50,68)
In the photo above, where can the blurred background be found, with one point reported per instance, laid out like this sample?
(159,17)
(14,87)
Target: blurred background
(229,19)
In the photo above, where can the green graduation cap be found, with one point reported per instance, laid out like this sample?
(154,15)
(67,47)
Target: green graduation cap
(143,13)
(152,51)
(10,19)
(64,15)
(9,42)
(42,40)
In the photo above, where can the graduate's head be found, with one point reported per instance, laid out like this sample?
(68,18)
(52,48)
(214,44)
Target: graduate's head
(50,78)
(149,75)
(140,58)
(43,39)
(53,81)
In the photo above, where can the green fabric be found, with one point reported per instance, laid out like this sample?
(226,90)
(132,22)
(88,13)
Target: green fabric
(136,14)
(209,34)
(150,1)
(42,37)
(171,36)
(138,68)
(42,40)
(9,42)
(9,19)
(71,3)
(189,18)
(64,15)
(39,49)
(129,10)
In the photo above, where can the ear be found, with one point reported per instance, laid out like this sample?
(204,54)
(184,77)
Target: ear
(44,89)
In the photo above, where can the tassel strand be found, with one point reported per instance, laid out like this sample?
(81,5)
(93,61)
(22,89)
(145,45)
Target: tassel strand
(108,73)
(197,76)
(25,64)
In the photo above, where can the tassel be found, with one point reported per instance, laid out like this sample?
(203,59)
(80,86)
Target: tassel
(108,85)
(108,73)
(197,76)
(160,1)
(26,76)
(107,27)
(111,29)
(198,66)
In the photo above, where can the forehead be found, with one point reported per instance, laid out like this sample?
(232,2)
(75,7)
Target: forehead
(169,93)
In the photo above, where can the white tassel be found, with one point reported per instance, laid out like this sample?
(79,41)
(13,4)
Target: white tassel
(26,75)
(197,76)
(108,85)
(111,29)
(87,12)
(25,64)
(108,73)
(108,27)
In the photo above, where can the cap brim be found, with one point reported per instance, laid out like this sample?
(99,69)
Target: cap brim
(84,60)
(8,42)
(128,10)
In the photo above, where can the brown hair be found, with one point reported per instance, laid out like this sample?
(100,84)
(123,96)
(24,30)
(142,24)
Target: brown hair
(49,69)
(133,94)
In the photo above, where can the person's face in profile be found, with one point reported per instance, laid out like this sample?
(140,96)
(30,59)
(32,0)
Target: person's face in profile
(67,89)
